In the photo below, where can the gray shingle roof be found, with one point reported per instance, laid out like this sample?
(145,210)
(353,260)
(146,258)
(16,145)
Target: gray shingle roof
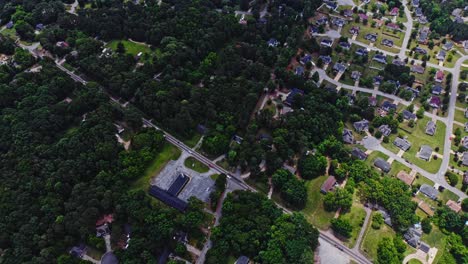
(425,152)
(382,164)
(402,143)
(429,191)
(430,128)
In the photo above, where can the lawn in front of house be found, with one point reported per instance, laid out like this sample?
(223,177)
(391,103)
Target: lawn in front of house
(373,156)
(397,167)
(420,180)
(460,116)
(195,165)
(130,47)
(314,211)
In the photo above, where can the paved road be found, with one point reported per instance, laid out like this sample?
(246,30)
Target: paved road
(409,29)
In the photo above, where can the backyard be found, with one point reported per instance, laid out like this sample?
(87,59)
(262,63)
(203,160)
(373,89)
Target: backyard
(314,211)
(372,238)
(131,47)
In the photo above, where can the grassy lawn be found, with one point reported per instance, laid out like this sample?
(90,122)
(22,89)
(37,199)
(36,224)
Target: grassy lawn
(356,217)
(448,195)
(131,47)
(191,142)
(420,180)
(168,152)
(372,238)
(314,211)
(214,177)
(195,165)
(414,261)
(460,116)
(374,155)
(436,239)
(390,146)
(397,167)
(11,33)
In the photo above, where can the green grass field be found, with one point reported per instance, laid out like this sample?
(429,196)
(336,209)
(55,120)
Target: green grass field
(168,152)
(460,116)
(397,167)
(314,211)
(195,165)
(356,217)
(131,47)
(372,238)
(420,180)
(436,239)
(414,261)
(374,155)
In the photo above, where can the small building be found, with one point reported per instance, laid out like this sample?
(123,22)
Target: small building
(418,12)
(385,130)
(62,44)
(339,67)
(363,17)
(429,191)
(328,185)
(348,136)
(415,3)
(380,58)
(355,75)
(9,25)
(354,30)
(299,71)
(378,80)
(402,143)
(441,55)
(361,126)
(405,177)
(422,20)
(39,27)
(387,42)
(387,106)
(348,13)
(202,130)
(425,152)
(305,59)
(168,199)
(393,26)
(466,126)
(423,35)
(322,20)
(465,177)
(242,260)
(413,236)
(420,50)
(465,159)
(382,164)
(273,42)
(339,22)
(358,153)
(454,206)
(407,115)
(448,45)
(325,59)
(78,251)
(394,11)
(345,45)
(109,258)
(331,5)
(371,37)
(372,101)
(418,69)
(326,42)
(436,89)
(292,95)
(466,112)
(398,62)
(424,247)
(435,101)
(362,52)
(431,128)
(439,77)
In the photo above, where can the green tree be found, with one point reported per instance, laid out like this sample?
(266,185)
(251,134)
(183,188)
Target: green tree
(342,226)
(387,253)
(426,225)
(312,166)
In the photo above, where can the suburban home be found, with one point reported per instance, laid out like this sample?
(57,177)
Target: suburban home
(405,177)
(299,70)
(466,112)
(313,30)
(418,69)
(465,159)
(454,206)
(331,5)
(338,22)
(429,191)
(363,17)
(354,30)
(431,128)
(382,164)
(458,20)
(387,106)
(448,45)
(355,75)
(348,136)
(292,95)
(394,11)
(387,42)
(328,185)
(423,35)
(9,25)
(441,55)
(273,42)
(457,12)
(371,37)
(339,67)
(359,154)
(413,236)
(415,3)
(407,115)
(372,101)
(348,13)
(242,260)
(380,58)
(465,177)
(418,12)
(305,59)
(62,44)
(78,251)
(361,126)
(435,101)
(398,62)
(378,80)
(39,27)
(439,77)
(385,129)
(425,152)
(345,45)
(326,59)
(420,50)
(326,42)
(402,143)
(393,26)
(362,52)
(436,89)
(422,20)
(464,142)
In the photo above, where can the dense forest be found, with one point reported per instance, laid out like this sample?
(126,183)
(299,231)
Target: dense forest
(441,22)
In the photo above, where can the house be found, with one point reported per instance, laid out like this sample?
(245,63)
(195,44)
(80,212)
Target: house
(330,5)
(359,154)
(418,12)
(407,115)
(382,164)
(413,236)
(422,20)
(457,12)
(339,67)
(326,42)
(372,101)
(466,126)
(386,217)
(423,35)
(393,26)
(378,80)
(465,160)
(292,96)
(448,45)
(385,129)
(242,260)
(465,177)
(405,177)
(464,142)
(348,13)
(371,37)
(39,27)
(314,30)
(273,42)
(435,101)
(328,185)
(9,25)
(402,143)
(398,62)
(345,45)
(380,58)
(394,11)
(454,206)
(354,30)
(363,17)
(322,20)
(429,191)
(78,251)
(415,3)
(418,69)
(425,152)
(420,50)
(441,55)
(466,112)
(348,136)
(202,130)
(362,52)
(299,71)
(355,75)
(436,89)
(102,230)
(439,77)
(305,59)
(387,106)
(458,20)
(326,59)
(431,128)
(339,22)
(387,42)
(361,126)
